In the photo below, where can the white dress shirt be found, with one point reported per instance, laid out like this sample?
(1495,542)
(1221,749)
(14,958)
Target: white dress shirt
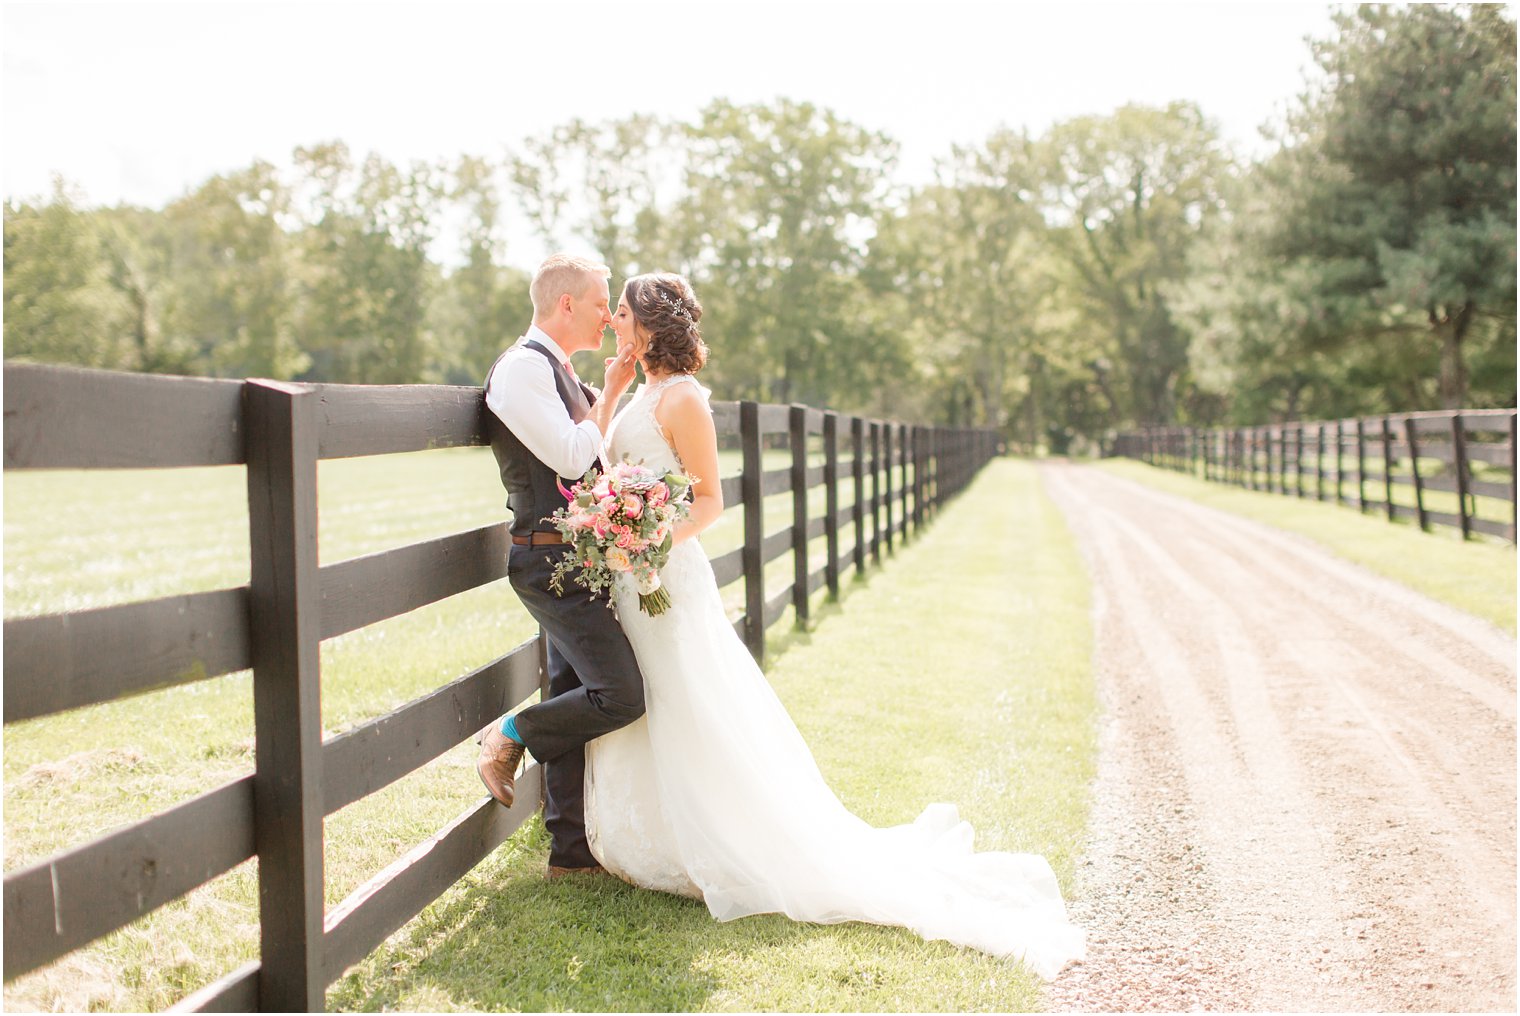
(522,393)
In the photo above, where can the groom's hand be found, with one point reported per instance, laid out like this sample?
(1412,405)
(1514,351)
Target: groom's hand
(620,372)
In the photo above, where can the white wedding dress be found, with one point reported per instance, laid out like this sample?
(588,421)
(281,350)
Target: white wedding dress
(713,794)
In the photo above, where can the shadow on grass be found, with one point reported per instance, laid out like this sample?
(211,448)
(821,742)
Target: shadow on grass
(508,939)
(781,638)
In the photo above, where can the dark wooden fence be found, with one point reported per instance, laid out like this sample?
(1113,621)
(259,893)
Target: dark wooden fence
(65,418)
(1454,468)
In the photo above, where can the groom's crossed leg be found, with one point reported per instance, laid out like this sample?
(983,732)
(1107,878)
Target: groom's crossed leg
(594,687)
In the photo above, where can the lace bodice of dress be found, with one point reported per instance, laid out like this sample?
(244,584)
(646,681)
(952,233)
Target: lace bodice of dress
(636,434)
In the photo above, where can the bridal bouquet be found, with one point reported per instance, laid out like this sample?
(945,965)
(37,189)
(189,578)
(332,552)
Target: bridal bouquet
(621,521)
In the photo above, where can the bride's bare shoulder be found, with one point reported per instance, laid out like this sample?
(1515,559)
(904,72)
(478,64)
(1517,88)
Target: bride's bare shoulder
(684,407)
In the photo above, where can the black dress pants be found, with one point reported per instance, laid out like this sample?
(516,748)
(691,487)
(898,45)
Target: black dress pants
(594,687)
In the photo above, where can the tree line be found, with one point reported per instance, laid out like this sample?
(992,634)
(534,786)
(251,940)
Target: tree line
(1114,270)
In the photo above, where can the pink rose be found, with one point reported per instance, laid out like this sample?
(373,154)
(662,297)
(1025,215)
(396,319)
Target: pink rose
(658,495)
(632,506)
(625,541)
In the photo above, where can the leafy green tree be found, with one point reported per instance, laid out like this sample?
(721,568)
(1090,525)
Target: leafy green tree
(231,274)
(363,268)
(480,307)
(140,251)
(1396,190)
(1126,196)
(963,263)
(780,203)
(613,185)
(60,305)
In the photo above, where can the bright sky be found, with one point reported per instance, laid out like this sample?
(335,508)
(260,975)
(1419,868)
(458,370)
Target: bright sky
(139,102)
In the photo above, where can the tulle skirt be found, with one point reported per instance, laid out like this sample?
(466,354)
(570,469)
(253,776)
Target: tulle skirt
(713,794)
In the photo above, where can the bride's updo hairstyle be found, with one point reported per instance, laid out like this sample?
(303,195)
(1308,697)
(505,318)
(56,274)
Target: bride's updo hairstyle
(666,308)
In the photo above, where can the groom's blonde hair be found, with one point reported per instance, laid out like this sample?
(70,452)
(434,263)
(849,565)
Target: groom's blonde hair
(561,274)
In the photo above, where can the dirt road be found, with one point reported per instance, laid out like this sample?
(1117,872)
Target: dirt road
(1306,789)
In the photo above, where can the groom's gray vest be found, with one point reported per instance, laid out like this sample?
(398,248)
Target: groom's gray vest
(532,487)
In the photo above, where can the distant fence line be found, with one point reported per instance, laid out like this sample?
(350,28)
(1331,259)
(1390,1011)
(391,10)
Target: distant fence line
(70,418)
(1406,465)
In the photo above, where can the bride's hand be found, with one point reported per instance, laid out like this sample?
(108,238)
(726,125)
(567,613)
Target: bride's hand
(620,371)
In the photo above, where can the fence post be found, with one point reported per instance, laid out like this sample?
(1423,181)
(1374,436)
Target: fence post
(1274,438)
(1282,460)
(1414,471)
(1361,466)
(1388,467)
(1253,442)
(1340,445)
(1263,440)
(876,491)
(752,494)
(284,612)
(918,480)
(831,499)
(1459,455)
(934,464)
(1514,502)
(858,470)
(886,476)
(1298,458)
(797,421)
(903,488)
(1260,436)
(1319,462)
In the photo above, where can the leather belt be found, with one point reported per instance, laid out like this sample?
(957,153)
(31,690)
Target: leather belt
(537,539)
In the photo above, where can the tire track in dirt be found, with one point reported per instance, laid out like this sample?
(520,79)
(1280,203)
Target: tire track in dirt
(1306,789)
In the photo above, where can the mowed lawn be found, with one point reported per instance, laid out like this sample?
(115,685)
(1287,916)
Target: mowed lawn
(957,671)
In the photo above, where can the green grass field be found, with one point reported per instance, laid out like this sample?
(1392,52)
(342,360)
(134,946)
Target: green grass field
(957,671)
(1477,576)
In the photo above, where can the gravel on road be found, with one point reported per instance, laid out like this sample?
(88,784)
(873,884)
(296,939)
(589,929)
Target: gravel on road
(1306,785)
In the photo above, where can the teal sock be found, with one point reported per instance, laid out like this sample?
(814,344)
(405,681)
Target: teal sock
(509,728)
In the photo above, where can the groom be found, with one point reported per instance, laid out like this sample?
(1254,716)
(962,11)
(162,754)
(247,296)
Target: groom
(546,428)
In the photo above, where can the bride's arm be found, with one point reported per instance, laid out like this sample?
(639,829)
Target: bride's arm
(684,414)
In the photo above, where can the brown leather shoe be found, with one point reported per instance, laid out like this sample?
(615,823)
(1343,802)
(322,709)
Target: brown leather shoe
(498,762)
(555,871)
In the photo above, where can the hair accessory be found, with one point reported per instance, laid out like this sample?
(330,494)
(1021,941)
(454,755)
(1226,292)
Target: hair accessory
(677,307)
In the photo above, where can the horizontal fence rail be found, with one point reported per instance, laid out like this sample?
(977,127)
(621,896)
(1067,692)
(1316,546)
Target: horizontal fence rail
(1451,468)
(895,477)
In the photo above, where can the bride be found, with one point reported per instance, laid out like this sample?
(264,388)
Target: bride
(713,794)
